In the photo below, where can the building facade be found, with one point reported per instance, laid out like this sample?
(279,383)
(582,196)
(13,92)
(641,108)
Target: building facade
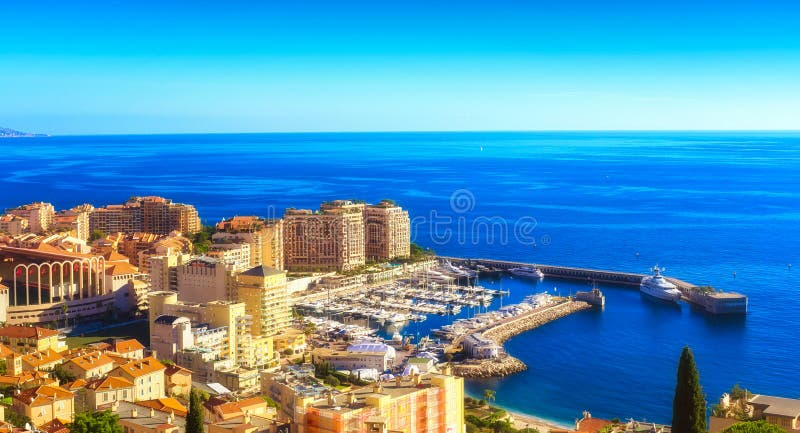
(387,231)
(329,240)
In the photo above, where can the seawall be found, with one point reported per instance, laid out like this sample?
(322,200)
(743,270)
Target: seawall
(501,331)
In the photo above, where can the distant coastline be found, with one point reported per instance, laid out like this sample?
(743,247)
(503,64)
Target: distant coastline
(11,133)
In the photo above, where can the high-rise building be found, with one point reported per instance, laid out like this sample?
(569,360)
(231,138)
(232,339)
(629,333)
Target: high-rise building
(331,239)
(39,215)
(387,231)
(75,221)
(216,314)
(265,238)
(13,224)
(264,293)
(427,403)
(146,214)
(205,279)
(163,270)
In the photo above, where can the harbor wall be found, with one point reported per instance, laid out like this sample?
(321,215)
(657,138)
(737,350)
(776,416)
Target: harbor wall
(505,329)
(713,302)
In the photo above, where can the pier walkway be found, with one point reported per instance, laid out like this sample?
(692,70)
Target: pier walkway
(714,302)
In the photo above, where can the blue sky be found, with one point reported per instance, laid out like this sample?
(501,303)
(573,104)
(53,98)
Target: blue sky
(143,67)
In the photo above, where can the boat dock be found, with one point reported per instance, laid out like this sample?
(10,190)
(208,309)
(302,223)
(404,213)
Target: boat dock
(714,302)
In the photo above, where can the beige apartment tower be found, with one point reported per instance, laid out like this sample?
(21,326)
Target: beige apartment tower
(265,238)
(327,240)
(387,231)
(263,291)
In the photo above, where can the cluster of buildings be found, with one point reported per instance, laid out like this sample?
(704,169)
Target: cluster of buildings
(343,235)
(139,214)
(49,382)
(220,321)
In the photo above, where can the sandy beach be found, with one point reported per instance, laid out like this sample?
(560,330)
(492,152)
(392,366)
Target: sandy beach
(521,420)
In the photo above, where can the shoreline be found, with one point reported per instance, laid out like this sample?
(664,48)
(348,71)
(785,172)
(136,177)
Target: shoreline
(521,419)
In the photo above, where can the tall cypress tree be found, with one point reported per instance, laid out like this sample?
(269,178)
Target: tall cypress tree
(194,419)
(689,405)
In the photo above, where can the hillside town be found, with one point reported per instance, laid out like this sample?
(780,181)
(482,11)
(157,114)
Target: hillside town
(139,310)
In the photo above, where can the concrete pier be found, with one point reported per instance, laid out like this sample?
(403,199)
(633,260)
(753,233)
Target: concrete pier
(710,301)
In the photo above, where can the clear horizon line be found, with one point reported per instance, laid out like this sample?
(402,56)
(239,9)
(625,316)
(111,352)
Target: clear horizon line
(403,131)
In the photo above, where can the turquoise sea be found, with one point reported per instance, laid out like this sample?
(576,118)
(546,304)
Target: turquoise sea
(705,205)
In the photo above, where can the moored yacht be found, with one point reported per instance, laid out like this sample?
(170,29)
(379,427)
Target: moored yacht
(657,286)
(527,271)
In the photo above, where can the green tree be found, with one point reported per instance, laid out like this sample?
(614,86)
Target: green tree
(17,419)
(688,405)
(63,375)
(96,234)
(194,419)
(95,422)
(753,427)
(489,395)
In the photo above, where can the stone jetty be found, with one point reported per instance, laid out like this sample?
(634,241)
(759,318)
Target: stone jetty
(501,331)
(506,329)
(483,368)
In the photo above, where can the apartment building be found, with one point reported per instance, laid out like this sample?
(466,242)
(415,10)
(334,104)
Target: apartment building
(265,238)
(24,339)
(43,404)
(12,224)
(204,279)
(330,239)
(163,270)
(39,215)
(75,221)
(217,314)
(387,231)
(104,392)
(421,403)
(146,214)
(263,291)
(147,376)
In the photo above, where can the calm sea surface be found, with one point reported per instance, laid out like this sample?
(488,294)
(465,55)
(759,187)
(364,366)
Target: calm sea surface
(704,205)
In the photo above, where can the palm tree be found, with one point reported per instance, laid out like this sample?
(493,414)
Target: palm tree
(489,395)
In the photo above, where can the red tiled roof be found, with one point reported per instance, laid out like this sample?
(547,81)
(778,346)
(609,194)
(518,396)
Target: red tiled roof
(127,346)
(18,331)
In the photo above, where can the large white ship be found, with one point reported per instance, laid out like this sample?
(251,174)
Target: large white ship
(657,286)
(527,271)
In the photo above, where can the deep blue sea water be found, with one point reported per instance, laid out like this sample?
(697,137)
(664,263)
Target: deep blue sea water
(705,205)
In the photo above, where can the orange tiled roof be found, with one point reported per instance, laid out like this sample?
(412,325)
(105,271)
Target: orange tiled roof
(166,405)
(127,346)
(141,367)
(174,368)
(27,376)
(114,256)
(54,426)
(230,409)
(91,360)
(18,331)
(43,357)
(5,352)
(592,425)
(41,395)
(121,268)
(75,384)
(109,383)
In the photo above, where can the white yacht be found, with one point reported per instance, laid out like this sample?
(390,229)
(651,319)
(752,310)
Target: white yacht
(657,286)
(527,271)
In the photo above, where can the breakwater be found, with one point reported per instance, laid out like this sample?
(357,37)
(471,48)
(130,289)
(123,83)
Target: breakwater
(504,330)
(499,332)
(712,301)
